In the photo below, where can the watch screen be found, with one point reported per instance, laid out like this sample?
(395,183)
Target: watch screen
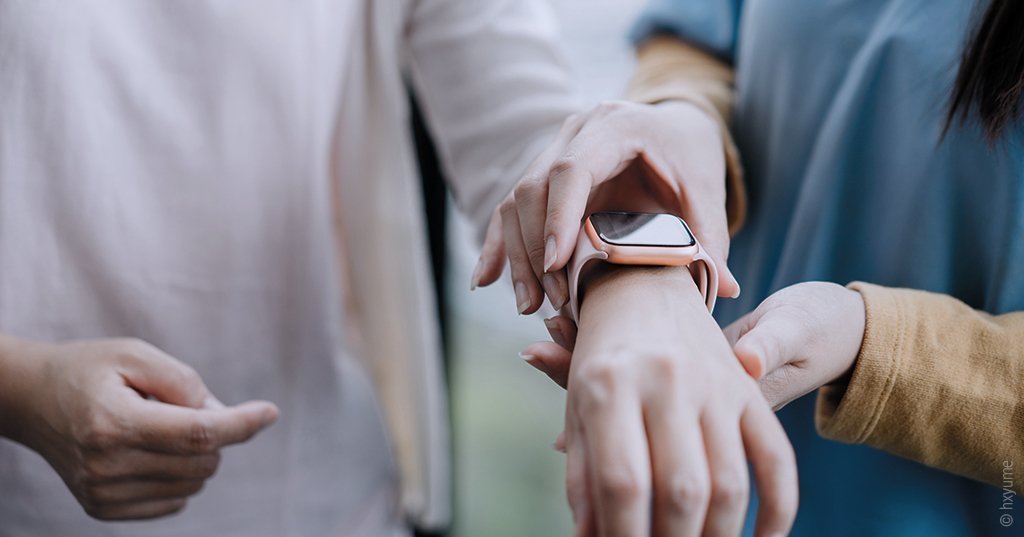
(642,229)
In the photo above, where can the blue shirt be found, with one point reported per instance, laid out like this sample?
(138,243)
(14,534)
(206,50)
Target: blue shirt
(839,114)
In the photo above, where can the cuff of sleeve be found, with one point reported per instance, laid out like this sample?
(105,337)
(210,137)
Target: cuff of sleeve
(671,70)
(850,413)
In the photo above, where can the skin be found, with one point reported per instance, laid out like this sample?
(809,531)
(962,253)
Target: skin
(804,337)
(661,419)
(656,158)
(619,156)
(131,431)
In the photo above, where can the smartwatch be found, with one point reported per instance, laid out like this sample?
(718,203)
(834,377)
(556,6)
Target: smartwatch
(654,239)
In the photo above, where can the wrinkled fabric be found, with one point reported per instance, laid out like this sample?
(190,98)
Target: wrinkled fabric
(214,177)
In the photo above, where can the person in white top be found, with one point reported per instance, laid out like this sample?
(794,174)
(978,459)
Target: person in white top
(206,206)
(218,201)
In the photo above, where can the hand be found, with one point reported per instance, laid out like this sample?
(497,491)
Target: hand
(803,337)
(620,156)
(660,414)
(131,431)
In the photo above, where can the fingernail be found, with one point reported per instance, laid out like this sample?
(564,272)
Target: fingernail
(737,293)
(475,280)
(553,290)
(558,448)
(269,416)
(555,331)
(550,253)
(527,356)
(522,297)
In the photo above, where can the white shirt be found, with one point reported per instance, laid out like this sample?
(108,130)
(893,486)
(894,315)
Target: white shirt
(194,173)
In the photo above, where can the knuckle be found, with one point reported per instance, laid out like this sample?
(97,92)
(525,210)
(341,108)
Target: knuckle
(687,495)
(610,107)
(176,506)
(619,487)
(199,437)
(508,206)
(94,509)
(194,487)
(97,435)
(134,347)
(188,376)
(208,465)
(94,470)
(529,190)
(564,166)
(598,381)
(730,488)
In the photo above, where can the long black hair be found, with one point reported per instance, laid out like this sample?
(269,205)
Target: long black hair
(990,83)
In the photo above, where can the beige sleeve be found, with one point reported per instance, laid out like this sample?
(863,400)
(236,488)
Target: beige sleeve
(936,382)
(670,69)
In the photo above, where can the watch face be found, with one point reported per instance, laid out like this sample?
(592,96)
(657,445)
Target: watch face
(642,229)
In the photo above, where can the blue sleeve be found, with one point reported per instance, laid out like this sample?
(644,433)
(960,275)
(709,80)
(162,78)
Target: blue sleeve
(709,24)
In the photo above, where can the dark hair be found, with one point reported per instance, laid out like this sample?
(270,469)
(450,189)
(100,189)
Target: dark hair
(990,83)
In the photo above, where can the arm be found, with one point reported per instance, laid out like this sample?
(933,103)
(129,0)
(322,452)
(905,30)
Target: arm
(668,151)
(918,374)
(669,69)
(495,90)
(660,414)
(934,381)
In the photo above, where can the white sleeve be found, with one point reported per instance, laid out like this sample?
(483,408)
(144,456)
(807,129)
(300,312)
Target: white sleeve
(494,88)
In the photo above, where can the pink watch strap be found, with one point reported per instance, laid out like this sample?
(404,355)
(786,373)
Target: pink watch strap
(584,253)
(702,268)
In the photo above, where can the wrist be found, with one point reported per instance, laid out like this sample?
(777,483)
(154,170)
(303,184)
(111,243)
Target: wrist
(609,288)
(21,371)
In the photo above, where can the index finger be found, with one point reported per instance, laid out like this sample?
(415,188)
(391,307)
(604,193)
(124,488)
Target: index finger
(592,157)
(185,431)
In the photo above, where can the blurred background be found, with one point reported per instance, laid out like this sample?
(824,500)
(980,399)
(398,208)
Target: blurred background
(509,481)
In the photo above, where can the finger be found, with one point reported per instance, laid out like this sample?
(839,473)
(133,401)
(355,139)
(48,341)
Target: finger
(138,510)
(709,223)
(142,491)
(524,282)
(562,330)
(559,444)
(618,463)
(531,202)
(772,342)
(133,464)
(155,373)
(774,463)
(680,469)
(492,255)
(595,155)
(550,359)
(177,430)
(577,486)
(730,485)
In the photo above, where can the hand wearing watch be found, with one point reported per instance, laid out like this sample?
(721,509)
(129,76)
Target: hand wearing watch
(653,239)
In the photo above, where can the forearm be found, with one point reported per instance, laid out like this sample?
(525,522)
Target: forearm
(669,69)
(19,373)
(935,381)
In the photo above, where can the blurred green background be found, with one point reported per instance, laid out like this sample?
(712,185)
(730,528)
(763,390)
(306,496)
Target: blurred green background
(509,481)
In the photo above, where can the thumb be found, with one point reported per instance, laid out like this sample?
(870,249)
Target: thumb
(156,374)
(773,341)
(551,359)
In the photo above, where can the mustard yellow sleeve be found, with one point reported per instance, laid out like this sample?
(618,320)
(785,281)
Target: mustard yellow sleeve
(670,69)
(936,382)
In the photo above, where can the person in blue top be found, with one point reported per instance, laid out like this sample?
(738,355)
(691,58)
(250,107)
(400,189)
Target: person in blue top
(881,142)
